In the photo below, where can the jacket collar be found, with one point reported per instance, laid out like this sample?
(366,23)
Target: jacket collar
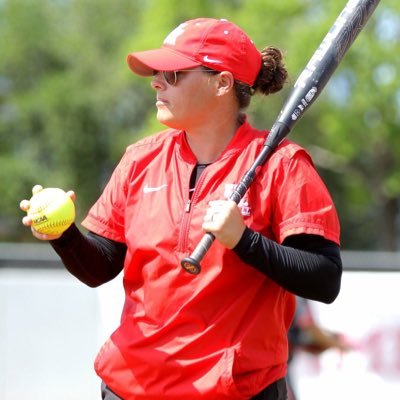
(243,136)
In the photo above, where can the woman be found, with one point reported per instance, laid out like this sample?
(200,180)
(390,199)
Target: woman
(221,334)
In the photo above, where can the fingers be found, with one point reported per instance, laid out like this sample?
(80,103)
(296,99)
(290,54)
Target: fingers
(72,194)
(224,219)
(24,205)
(37,189)
(27,221)
(43,236)
(218,210)
(215,214)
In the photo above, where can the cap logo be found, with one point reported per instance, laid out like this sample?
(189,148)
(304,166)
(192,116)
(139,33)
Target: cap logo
(211,60)
(178,31)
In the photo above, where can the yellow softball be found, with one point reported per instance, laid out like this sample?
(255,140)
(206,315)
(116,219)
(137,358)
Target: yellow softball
(52,211)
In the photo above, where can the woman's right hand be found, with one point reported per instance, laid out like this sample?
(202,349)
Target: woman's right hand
(24,205)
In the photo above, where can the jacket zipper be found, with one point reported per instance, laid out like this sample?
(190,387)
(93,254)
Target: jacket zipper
(187,217)
(188,205)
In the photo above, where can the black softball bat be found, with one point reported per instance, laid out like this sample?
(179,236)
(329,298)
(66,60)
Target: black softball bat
(306,89)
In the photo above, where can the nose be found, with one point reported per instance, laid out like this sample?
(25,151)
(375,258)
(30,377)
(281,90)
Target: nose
(157,81)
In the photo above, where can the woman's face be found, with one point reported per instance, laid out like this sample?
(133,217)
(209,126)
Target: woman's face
(188,103)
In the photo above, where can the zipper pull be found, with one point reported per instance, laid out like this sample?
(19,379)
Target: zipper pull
(187,206)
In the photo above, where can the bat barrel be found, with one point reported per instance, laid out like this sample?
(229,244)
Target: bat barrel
(326,58)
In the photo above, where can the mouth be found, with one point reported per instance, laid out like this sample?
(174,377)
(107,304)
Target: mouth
(161,102)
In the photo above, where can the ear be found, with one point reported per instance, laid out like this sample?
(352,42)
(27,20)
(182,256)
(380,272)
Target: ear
(225,83)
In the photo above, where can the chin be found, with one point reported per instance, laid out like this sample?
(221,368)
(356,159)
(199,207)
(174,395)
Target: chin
(170,122)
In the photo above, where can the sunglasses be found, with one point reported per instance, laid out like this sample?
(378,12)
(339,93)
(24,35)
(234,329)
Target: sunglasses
(171,77)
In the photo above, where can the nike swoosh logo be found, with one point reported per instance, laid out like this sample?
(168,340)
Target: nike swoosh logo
(148,189)
(211,60)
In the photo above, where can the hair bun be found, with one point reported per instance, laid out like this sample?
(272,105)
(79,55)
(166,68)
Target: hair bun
(273,73)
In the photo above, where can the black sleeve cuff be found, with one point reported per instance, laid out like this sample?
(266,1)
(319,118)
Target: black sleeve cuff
(244,245)
(67,238)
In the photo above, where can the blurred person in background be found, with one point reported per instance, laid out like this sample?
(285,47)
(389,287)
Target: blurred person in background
(306,335)
(221,334)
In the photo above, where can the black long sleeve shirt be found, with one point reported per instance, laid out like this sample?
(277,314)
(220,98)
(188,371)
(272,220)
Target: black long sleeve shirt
(306,265)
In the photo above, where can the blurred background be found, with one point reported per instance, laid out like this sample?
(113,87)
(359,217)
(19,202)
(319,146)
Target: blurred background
(68,108)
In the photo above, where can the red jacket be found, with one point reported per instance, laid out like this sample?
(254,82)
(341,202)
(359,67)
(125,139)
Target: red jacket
(221,334)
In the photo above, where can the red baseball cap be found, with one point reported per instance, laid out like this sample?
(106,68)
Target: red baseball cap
(214,43)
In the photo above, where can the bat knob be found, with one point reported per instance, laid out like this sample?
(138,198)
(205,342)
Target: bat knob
(190,265)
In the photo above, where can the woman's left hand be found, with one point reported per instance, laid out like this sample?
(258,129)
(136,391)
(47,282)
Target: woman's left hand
(224,220)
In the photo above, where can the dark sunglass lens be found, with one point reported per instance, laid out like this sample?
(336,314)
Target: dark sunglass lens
(170,77)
